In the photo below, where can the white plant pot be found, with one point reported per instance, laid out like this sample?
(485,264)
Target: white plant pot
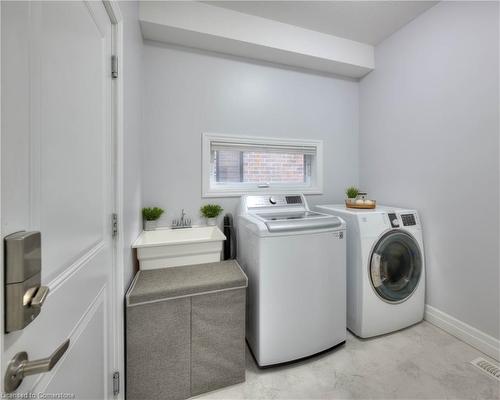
(212,221)
(149,225)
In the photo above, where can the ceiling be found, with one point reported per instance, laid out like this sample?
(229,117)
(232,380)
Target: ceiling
(364,21)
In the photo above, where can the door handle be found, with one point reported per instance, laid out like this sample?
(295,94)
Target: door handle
(19,367)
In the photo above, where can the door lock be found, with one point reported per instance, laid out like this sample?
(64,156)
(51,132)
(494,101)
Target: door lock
(19,367)
(24,295)
(39,298)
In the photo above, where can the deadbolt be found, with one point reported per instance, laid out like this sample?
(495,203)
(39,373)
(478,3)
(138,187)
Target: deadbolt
(24,295)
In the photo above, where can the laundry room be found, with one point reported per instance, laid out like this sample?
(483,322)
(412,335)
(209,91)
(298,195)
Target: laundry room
(250,199)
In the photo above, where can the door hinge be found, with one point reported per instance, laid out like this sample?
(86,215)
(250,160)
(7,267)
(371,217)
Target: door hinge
(114,66)
(116,383)
(114,224)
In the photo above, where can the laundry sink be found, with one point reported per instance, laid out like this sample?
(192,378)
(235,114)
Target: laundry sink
(164,248)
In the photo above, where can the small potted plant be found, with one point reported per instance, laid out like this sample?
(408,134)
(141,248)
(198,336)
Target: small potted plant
(150,216)
(211,212)
(351,193)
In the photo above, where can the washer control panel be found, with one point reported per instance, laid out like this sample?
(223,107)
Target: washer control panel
(274,200)
(293,199)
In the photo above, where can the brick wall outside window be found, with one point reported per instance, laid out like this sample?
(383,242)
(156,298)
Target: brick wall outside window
(273,167)
(233,166)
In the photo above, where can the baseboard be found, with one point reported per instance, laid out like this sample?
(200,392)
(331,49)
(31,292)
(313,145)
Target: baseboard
(466,333)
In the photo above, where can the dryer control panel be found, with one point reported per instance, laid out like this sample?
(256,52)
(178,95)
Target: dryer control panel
(393,219)
(397,219)
(408,219)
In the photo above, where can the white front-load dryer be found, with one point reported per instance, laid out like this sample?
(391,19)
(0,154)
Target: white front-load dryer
(385,268)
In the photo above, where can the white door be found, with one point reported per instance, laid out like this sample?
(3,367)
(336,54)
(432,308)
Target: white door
(57,178)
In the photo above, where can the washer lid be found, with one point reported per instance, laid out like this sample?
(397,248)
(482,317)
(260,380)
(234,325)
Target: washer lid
(298,221)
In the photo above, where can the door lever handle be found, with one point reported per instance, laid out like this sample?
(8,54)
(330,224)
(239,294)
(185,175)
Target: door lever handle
(39,297)
(19,367)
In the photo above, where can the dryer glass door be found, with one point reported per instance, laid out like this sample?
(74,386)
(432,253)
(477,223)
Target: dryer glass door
(395,266)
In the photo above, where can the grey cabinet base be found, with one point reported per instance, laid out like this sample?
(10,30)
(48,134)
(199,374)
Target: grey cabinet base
(180,348)
(158,350)
(217,340)
(185,331)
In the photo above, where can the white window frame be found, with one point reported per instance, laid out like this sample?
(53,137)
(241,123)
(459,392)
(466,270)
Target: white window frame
(228,190)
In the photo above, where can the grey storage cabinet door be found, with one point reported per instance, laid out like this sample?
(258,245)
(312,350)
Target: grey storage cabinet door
(158,350)
(218,340)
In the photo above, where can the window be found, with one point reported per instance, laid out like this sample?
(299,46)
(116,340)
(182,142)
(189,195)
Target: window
(234,165)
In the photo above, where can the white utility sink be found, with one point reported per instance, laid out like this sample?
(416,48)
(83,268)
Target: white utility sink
(175,247)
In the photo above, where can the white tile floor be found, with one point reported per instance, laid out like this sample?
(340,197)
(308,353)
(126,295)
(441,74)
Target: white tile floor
(420,362)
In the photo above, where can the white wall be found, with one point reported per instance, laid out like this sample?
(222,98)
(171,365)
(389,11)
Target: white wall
(429,140)
(190,92)
(132,129)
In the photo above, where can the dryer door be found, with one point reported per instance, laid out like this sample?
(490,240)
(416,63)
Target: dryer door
(395,266)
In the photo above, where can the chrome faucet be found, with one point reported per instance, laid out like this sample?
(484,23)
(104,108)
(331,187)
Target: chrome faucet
(183,222)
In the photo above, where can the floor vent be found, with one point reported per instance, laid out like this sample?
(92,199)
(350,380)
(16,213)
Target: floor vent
(487,367)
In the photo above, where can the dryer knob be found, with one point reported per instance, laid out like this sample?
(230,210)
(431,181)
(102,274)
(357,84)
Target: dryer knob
(395,222)
(272,200)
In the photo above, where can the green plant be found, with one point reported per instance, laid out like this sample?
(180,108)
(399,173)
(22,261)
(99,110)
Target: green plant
(152,213)
(211,210)
(352,192)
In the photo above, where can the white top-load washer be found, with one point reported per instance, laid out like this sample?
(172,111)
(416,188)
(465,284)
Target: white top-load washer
(295,261)
(385,268)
